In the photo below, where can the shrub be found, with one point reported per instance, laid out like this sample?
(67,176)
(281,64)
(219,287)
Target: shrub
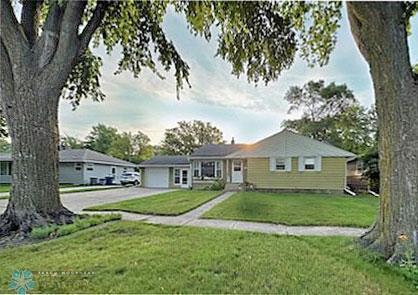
(217,185)
(80,223)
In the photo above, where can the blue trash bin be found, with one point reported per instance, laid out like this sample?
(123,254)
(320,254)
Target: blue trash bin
(109,180)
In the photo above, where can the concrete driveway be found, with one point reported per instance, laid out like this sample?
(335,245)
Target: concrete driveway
(78,201)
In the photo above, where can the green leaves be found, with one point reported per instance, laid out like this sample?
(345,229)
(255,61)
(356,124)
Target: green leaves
(332,114)
(259,39)
(316,24)
(188,136)
(136,27)
(84,80)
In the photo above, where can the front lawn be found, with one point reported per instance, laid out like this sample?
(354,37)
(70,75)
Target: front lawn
(171,203)
(131,257)
(298,209)
(4,188)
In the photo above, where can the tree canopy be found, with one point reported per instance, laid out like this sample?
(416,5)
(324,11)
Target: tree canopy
(331,113)
(130,147)
(259,39)
(188,136)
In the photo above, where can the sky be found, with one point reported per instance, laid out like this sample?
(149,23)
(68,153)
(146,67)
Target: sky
(241,110)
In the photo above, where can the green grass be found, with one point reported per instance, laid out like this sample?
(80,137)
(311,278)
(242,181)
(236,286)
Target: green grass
(171,203)
(4,188)
(131,257)
(298,209)
(79,224)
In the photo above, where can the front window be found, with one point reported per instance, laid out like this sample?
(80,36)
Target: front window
(176,176)
(90,167)
(5,168)
(219,169)
(309,163)
(208,169)
(196,169)
(280,164)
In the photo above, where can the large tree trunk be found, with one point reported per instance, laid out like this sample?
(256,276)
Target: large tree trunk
(380,32)
(32,118)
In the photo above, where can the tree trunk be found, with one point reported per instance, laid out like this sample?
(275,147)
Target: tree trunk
(32,119)
(380,32)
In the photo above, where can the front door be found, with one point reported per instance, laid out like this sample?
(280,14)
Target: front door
(237,171)
(184,178)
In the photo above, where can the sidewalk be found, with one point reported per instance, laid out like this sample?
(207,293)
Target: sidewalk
(192,218)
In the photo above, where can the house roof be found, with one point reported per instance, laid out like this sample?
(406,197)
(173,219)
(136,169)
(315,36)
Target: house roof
(289,144)
(86,155)
(217,150)
(82,155)
(164,161)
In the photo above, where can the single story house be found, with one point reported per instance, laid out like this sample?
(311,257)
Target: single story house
(283,161)
(78,166)
(166,172)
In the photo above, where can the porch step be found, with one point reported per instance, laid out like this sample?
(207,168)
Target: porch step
(232,187)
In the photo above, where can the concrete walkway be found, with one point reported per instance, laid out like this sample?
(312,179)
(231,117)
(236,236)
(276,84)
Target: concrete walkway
(76,202)
(192,218)
(77,188)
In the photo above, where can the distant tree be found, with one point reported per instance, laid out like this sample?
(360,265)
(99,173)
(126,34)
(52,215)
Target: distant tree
(158,150)
(5,146)
(188,136)
(332,114)
(101,138)
(69,142)
(318,101)
(132,147)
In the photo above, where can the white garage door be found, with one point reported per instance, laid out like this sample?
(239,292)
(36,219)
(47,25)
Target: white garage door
(156,177)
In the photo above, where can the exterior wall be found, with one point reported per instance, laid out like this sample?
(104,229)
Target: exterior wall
(332,176)
(102,171)
(171,179)
(68,174)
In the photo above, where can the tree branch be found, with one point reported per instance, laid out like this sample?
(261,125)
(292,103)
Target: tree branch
(70,22)
(30,18)
(60,35)
(10,33)
(92,25)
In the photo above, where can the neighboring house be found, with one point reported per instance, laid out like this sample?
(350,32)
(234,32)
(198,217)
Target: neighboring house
(166,172)
(283,161)
(78,166)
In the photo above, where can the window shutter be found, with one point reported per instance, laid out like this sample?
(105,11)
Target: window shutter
(289,164)
(301,164)
(272,164)
(318,163)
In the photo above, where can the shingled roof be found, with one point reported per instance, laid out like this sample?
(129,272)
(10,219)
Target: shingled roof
(289,144)
(217,150)
(83,156)
(164,161)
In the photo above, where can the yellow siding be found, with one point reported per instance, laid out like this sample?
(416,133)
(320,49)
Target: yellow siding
(331,177)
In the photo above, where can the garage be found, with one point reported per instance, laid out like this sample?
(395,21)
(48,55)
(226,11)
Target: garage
(156,177)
